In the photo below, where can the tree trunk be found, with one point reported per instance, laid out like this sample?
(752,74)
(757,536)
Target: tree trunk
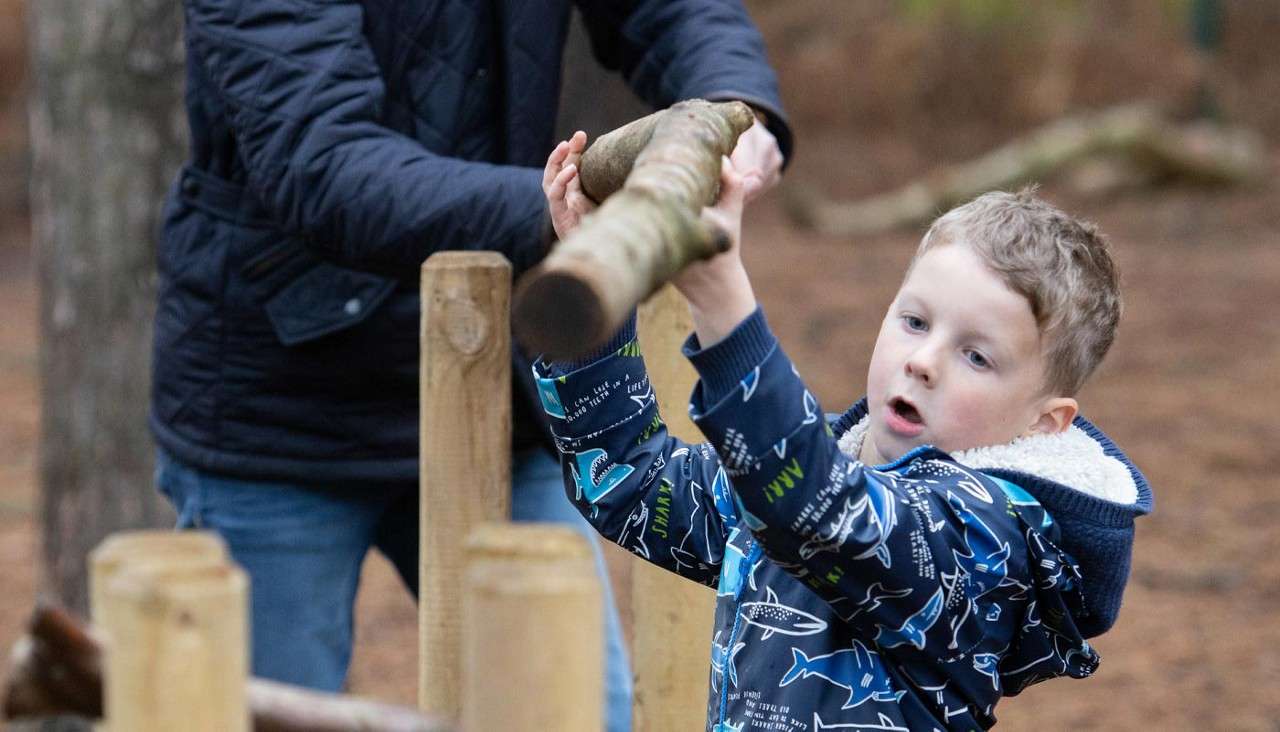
(107,135)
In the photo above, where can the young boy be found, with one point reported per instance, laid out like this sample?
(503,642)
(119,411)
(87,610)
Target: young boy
(952,538)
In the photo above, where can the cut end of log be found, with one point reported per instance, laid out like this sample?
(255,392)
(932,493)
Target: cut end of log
(558,314)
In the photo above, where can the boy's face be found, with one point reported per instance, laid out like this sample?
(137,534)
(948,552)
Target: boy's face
(958,362)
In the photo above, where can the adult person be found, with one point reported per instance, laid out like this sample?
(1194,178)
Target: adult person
(334,146)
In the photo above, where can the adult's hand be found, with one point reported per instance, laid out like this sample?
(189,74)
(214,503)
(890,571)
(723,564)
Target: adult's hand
(758,159)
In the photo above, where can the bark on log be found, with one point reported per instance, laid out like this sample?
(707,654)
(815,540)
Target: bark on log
(56,669)
(640,236)
(1137,133)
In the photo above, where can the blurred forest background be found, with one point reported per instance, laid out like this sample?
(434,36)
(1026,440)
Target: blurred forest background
(881,92)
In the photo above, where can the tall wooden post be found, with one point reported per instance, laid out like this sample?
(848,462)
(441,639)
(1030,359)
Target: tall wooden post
(176,627)
(533,636)
(465,447)
(673,616)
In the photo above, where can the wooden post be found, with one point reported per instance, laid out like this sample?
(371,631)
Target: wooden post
(534,631)
(178,653)
(465,447)
(145,546)
(673,616)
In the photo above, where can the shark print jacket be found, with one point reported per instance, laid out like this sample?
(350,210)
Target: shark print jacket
(906,596)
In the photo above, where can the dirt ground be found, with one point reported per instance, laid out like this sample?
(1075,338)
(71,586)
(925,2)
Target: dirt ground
(1191,389)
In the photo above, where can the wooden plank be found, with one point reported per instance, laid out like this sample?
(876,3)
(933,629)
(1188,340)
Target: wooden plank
(465,447)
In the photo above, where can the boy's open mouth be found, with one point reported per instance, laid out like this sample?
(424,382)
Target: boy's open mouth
(906,410)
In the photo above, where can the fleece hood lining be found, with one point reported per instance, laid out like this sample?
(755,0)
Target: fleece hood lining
(1070,458)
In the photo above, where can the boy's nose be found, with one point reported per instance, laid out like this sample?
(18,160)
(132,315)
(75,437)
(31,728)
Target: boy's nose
(920,366)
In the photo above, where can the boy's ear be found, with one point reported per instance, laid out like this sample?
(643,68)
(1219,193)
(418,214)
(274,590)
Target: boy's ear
(1055,416)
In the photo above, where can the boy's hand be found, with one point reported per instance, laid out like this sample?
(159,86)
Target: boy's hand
(563,187)
(718,290)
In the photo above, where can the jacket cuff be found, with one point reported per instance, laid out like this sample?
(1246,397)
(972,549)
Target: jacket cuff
(723,365)
(626,334)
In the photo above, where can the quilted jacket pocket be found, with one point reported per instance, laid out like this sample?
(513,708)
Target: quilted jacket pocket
(324,300)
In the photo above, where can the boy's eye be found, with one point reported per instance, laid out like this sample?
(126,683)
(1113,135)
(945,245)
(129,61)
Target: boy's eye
(914,322)
(977,359)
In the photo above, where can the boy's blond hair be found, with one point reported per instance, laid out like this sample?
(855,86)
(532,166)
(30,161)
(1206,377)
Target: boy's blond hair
(1061,265)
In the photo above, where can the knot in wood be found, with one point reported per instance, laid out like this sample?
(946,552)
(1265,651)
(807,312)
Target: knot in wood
(465,325)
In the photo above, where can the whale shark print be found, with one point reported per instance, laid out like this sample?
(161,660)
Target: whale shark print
(857,669)
(775,617)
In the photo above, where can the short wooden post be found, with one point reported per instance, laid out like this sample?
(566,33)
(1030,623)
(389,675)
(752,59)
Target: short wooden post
(673,616)
(533,637)
(465,447)
(179,649)
(146,546)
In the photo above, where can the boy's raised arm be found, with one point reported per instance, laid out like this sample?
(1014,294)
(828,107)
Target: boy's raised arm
(650,493)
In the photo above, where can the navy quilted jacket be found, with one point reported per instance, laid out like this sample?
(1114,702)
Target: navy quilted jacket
(908,596)
(334,146)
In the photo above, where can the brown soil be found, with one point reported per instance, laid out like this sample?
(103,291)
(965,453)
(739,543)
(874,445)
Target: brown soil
(1190,389)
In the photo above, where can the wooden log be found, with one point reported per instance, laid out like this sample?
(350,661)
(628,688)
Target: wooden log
(179,649)
(465,455)
(1136,133)
(56,670)
(640,236)
(673,616)
(534,631)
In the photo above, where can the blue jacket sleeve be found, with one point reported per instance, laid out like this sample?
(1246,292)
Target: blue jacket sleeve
(663,499)
(303,95)
(670,50)
(913,554)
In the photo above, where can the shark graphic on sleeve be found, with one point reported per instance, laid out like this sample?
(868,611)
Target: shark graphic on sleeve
(857,669)
(775,617)
(913,629)
(592,479)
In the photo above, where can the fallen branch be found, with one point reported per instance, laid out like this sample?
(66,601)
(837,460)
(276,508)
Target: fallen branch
(640,236)
(56,669)
(1137,133)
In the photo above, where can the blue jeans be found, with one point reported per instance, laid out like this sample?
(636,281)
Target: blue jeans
(303,546)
